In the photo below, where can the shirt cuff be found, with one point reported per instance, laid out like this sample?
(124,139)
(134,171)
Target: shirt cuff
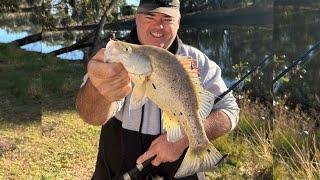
(232,117)
(85,79)
(119,105)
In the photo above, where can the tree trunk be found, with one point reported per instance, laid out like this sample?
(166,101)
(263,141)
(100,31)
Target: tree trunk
(27,40)
(216,4)
(98,42)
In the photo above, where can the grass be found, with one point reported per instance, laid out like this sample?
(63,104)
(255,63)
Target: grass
(271,143)
(249,147)
(42,136)
(296,143)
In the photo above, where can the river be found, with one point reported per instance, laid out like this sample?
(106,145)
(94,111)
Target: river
(236,49)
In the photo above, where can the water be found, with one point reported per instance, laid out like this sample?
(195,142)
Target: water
(231,46)
(296,29)
(40,46)
(6,37)
(236,49)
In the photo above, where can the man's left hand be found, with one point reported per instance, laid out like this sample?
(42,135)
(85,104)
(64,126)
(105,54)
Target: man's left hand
(164,150)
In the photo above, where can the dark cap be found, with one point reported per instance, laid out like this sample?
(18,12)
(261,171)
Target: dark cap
(168,7)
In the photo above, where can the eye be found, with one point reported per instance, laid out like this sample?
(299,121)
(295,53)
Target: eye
(127,49)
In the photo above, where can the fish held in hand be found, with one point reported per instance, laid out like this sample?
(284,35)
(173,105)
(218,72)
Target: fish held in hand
(169,82)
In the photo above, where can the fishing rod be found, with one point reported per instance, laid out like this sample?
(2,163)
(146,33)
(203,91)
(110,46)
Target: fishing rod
(267,58)
(130,175)
(297,61)
(139,167)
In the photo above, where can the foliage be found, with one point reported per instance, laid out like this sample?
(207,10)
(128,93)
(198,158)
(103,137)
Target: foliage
(296,33)
(63,13)
(198,5)
(296,143)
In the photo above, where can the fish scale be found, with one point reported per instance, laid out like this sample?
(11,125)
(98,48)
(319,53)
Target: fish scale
(169,82)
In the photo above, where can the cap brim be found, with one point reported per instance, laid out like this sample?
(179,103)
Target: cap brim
(170,11)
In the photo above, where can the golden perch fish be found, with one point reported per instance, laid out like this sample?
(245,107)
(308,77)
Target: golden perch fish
(175,88)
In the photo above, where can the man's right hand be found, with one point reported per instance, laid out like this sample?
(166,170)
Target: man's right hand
(112,80)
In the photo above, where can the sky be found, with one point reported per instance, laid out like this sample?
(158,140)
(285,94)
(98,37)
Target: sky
(135,2)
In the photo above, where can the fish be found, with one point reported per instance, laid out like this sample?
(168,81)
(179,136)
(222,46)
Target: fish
(169,82)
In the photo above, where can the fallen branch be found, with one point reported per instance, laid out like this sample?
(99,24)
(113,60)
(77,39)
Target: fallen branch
(82,43)
(27,40)
(70,48)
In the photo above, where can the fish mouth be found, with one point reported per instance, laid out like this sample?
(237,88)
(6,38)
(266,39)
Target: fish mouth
(111,51)
(157,34)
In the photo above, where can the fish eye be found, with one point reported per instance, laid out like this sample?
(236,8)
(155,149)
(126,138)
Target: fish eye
(126,49)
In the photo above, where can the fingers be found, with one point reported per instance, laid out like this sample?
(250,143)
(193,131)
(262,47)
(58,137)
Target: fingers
(145,156)
(122,79)
(101,70)
(114,93)
(116,87)
(112,80)
(99,56)
(157,161)
(156,148)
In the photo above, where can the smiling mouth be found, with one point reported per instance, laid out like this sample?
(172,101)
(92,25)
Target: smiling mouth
(157,35)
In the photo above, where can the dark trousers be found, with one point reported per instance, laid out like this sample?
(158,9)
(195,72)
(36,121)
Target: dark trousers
(118,150)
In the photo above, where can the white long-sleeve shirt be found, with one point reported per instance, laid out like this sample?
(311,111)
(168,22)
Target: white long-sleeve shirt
(210,77)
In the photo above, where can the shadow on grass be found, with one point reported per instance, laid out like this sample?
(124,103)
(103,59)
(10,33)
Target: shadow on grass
(31,83)
(14,110)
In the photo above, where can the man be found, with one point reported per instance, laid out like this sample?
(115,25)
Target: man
(126,138)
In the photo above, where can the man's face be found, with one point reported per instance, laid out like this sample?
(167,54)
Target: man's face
(157,29)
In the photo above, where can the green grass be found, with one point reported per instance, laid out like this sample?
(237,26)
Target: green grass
(296,144)
(270,144)
(42,136)
(249,149)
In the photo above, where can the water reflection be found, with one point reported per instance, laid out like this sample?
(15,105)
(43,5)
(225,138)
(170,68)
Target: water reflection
(6,37)
(236,49)
(296,30)
(40,46)
(226,46)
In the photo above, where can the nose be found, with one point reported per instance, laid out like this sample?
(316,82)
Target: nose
(161,26)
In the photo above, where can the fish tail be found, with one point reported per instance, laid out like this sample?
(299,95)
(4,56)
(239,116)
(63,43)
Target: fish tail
(199,159)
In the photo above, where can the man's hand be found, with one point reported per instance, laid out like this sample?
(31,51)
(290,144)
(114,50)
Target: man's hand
(111,79)
(164,150)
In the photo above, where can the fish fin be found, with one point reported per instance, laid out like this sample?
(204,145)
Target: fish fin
(206,102)
(171,124)
(138,96)
(199,159)
(206,99)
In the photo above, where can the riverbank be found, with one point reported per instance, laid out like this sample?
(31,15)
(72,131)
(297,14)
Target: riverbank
(41,135)
(252,16)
